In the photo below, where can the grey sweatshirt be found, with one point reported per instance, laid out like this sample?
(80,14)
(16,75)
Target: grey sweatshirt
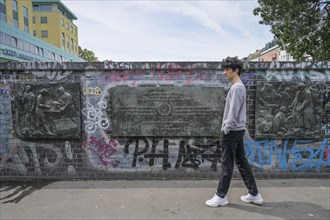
(234,116)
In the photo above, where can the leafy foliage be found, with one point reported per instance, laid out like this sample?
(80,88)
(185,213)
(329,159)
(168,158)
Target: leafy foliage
(302,27)
(87,55)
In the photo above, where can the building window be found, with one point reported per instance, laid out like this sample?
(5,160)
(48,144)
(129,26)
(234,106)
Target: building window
(61,10)
(71,29)
(53,55)
(43,20)
(14,5)
(75,32)
(67,26)
(15,14)
(42,7)
(63,41)
(26,46)
(33,19)
(13,42)
(3,15)
(68,42)
(26,19)
(36,50)
(75,48)
(41,52)
(62,22)
(31,48)
(20,44)
(6,39)
(34,33)
(46,7)
(44,33)
(2,38)
(72,50)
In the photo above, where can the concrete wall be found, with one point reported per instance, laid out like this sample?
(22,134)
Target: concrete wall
(98,154)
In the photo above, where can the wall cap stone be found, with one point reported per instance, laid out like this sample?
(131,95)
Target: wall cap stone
(198,65)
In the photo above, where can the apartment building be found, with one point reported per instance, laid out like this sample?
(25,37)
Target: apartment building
(37,30)
(271,52)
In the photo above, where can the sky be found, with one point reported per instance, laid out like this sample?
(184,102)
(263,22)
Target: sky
(165,30)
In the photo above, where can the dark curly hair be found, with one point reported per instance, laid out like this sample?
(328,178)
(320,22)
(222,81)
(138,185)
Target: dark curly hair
(233,63)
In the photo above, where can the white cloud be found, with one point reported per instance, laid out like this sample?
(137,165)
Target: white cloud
(168,30)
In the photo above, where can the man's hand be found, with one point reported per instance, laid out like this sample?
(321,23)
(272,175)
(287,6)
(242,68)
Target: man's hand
(224,131)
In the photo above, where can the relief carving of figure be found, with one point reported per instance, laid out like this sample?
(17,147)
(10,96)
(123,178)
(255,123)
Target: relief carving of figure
(280,121)
(286,96)
(302,109)
(28,100)
(265,122)
(65,102)
(46,110)
(41,107)
(268,96)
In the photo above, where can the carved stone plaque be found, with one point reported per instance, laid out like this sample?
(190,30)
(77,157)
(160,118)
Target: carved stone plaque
(166,111)
(47,110)
(289,109)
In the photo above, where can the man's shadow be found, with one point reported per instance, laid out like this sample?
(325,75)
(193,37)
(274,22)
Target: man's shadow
(20,190)
(286,210)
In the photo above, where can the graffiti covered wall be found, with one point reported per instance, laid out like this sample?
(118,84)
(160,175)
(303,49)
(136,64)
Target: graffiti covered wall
(159,119)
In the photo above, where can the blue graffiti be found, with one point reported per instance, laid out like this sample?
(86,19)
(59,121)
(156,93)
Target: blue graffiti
(4,93)
(302,155)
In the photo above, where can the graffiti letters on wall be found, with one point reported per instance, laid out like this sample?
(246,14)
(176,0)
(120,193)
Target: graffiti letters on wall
(35,159)
(288,141)
(144,153)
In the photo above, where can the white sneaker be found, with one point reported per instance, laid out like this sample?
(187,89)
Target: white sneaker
(258,200)
(217,201)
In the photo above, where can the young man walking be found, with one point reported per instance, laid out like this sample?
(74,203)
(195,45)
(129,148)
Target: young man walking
(232,132)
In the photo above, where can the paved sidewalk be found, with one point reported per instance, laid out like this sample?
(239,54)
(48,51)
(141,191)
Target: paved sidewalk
(161,199)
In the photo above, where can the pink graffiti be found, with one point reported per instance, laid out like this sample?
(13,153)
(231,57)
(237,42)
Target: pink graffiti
(103,150)
(172,75)
(122,76)
(200,76)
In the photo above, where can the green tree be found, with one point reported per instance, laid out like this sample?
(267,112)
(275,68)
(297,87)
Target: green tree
(87,55)
(302,27)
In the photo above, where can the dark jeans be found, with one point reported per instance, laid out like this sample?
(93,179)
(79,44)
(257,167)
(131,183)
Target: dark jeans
(232,147)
